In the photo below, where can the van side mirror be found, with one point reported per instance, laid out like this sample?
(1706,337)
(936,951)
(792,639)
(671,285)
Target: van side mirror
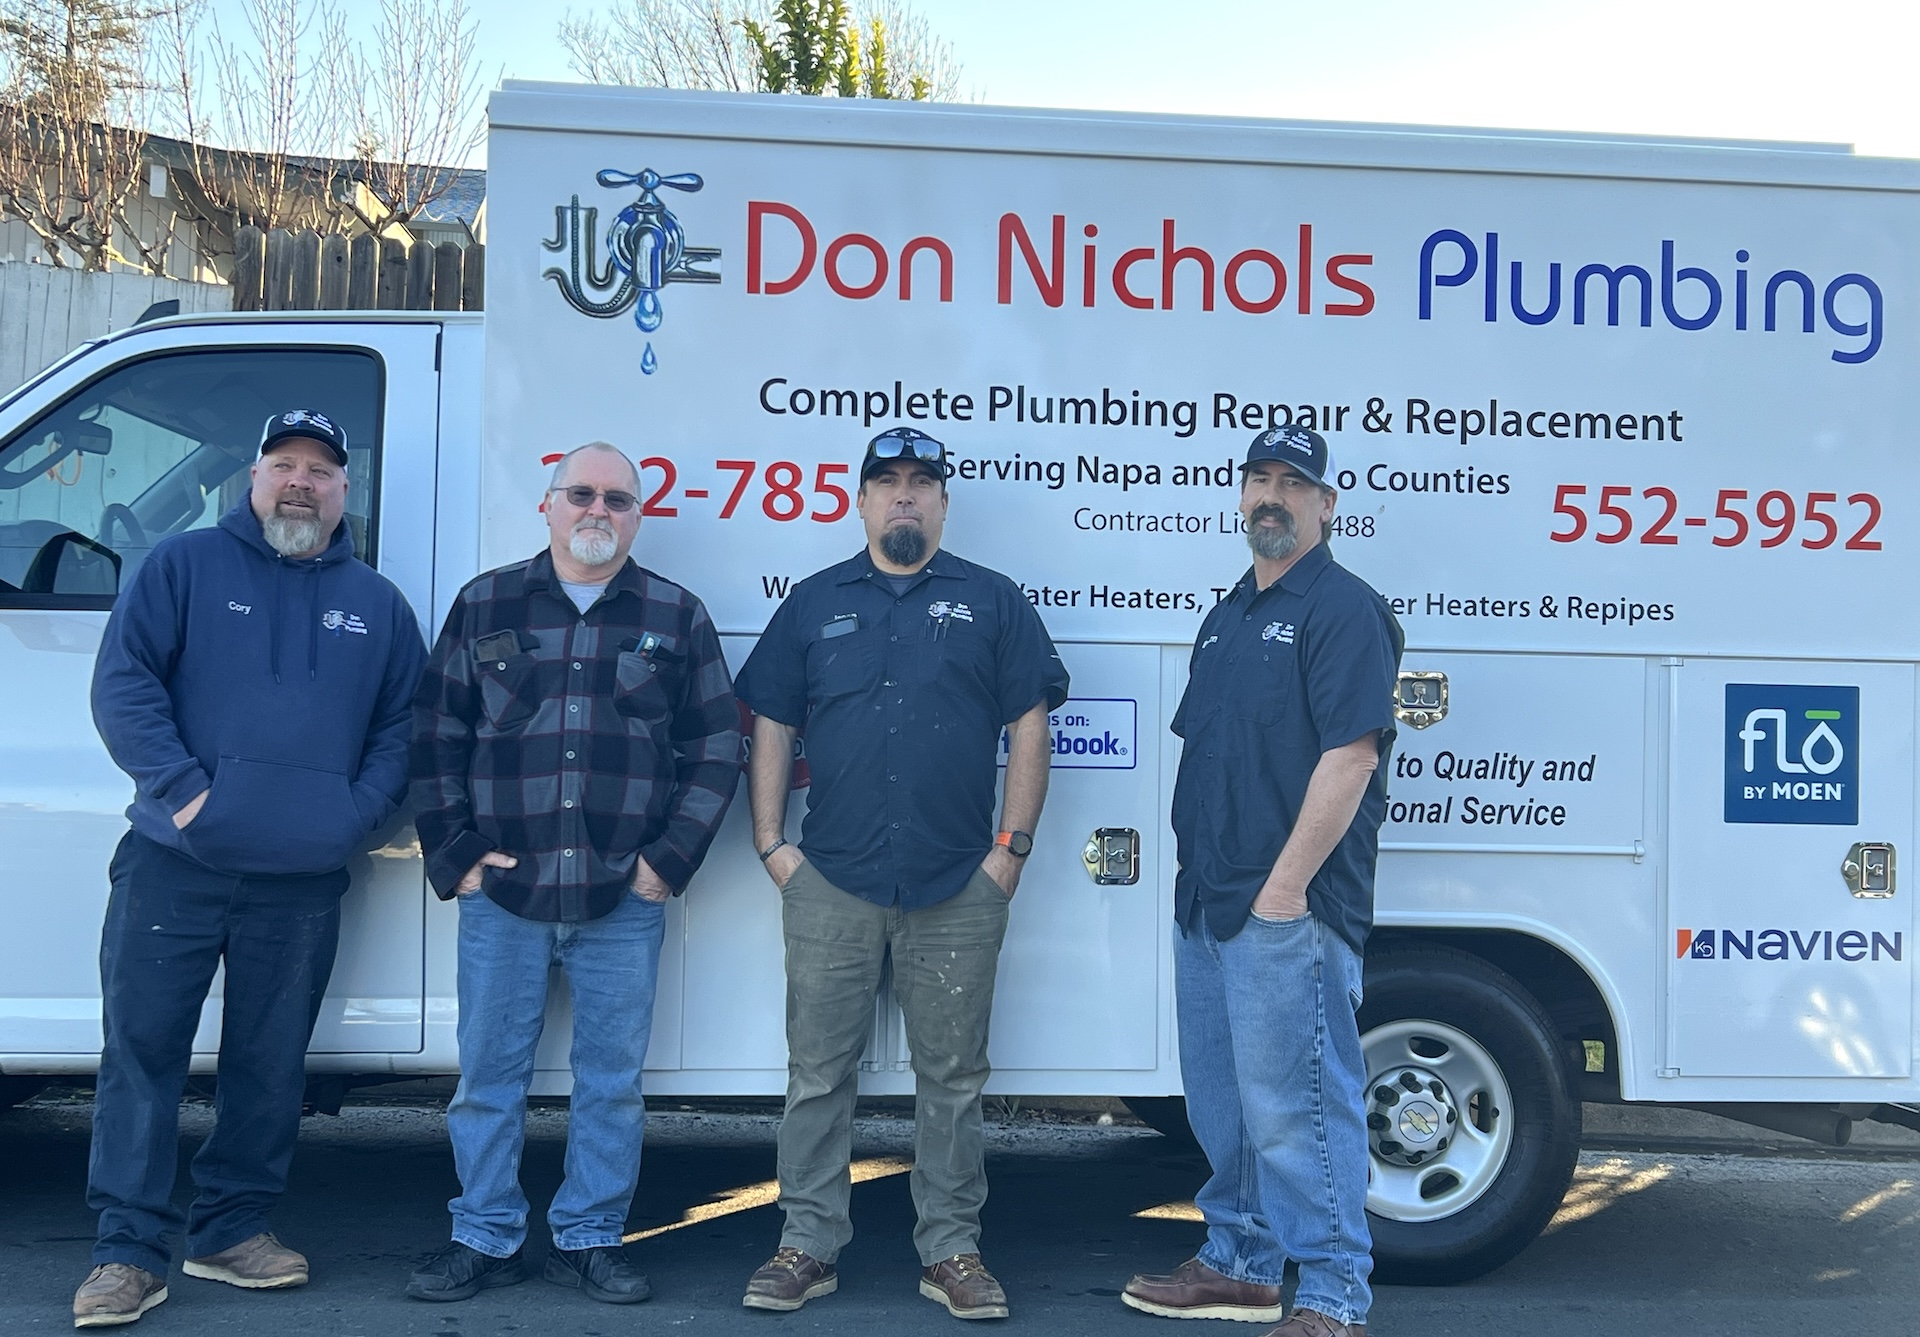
(71,563)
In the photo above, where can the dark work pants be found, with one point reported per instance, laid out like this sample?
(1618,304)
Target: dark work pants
(170,923)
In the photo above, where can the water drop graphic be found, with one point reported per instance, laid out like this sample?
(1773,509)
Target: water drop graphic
(647,312)
(648,362)
(1836,751)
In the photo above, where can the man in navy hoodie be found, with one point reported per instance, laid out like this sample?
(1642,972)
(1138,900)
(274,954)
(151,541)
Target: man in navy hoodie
(254,680)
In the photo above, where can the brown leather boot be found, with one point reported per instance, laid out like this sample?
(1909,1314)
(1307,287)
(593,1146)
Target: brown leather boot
(1313,1323)
(963,1284)
(1194,1290)
(788,1280)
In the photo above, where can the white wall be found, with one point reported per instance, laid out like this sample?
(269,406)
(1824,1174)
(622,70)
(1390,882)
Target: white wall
(45,312)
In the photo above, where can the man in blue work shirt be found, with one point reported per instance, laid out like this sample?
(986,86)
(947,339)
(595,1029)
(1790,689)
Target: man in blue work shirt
(1287,717)
(904,664)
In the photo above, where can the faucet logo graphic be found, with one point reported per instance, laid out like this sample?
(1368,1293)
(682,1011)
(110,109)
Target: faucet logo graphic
(1792,754)
(645,250)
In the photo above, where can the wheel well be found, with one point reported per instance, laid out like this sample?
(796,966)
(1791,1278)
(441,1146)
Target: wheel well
(1557,982)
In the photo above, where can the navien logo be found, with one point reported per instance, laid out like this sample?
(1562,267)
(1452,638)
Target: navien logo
(1780,944)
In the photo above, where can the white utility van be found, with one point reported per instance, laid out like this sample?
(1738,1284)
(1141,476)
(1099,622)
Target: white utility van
(1626,430)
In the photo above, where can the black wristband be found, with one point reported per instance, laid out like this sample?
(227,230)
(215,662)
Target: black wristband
(767,853)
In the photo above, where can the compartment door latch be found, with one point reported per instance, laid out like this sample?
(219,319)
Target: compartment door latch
(1869,870)
(1420,697)
(1112,856)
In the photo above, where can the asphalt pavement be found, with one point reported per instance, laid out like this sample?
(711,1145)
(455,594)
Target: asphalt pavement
(1696,1242)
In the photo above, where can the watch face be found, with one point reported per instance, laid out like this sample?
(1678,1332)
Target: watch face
(1020,843)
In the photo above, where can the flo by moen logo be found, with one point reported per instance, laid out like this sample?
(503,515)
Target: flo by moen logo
(646,249)
(1785,944)
(1792,754)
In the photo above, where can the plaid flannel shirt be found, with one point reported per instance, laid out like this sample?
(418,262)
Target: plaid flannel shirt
(573,741)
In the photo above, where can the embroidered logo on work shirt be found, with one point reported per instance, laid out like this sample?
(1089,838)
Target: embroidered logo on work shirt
(1278,631)
(940,610)
(336,622)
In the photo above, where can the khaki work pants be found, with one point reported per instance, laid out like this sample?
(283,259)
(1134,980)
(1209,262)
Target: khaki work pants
(944,960)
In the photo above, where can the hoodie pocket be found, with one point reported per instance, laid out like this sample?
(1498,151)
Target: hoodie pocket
(275,817)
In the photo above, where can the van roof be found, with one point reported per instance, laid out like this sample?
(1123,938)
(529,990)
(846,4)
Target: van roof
(681,114)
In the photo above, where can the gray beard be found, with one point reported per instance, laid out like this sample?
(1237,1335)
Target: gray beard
(904,545)
(592,546)
(291,536)
(1278,544)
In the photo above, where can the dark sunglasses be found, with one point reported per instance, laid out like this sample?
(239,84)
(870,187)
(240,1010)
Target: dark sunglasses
(582,496)
(901,443)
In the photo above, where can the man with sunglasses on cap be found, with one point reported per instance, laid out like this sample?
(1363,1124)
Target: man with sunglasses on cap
(904,664)
(1287,720)
(576,744)
(254,681)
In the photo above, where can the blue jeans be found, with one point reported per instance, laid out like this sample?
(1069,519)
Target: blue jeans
(170,923)
(611,965)
(1276,1088)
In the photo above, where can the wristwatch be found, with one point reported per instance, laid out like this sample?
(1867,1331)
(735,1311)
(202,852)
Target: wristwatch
(1018,843)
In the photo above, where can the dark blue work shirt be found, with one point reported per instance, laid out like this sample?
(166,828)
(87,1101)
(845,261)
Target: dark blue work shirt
(1278,677)
(903,698)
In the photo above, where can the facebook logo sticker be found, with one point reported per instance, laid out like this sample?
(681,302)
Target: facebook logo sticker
(1793,754)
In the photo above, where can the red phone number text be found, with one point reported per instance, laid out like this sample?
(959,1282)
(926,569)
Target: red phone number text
(1652,516)
(780,496)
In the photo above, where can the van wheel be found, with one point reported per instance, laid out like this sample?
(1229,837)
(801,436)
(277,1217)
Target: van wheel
(1473,1127)
(14,1090)
(1166,1115)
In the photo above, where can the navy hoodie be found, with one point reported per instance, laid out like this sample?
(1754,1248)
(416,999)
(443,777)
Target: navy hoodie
(282,686)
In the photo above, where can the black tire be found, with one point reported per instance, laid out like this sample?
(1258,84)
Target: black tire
(1166,1115)
(14,1090)
(1461,991)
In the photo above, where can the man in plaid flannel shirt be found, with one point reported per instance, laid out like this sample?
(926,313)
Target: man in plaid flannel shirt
(576,745)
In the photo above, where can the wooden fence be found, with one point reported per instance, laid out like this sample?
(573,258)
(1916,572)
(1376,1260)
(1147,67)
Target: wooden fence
(305,271)
(45,312)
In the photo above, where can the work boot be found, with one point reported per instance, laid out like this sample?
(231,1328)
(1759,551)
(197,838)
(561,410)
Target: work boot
(602,1274)
(1194,1290)
(116,1293)
(788,1280)
(1313,1323)
(460,1273)
(261,1263)
(963,1284)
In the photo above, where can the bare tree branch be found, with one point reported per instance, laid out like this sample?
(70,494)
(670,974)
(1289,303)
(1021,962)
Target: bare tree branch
(420,117)
(72,98)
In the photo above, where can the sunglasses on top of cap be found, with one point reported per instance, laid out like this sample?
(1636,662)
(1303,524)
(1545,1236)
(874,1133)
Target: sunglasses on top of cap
(906,443)
(581,495)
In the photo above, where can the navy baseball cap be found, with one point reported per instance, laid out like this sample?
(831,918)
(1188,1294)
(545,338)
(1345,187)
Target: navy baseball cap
(1300,447)
(308,424)
(905,443)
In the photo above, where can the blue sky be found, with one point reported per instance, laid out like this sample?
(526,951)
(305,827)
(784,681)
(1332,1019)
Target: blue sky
(1760,69)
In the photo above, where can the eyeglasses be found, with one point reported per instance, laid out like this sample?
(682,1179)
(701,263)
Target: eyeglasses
(582,496)
(901,443)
